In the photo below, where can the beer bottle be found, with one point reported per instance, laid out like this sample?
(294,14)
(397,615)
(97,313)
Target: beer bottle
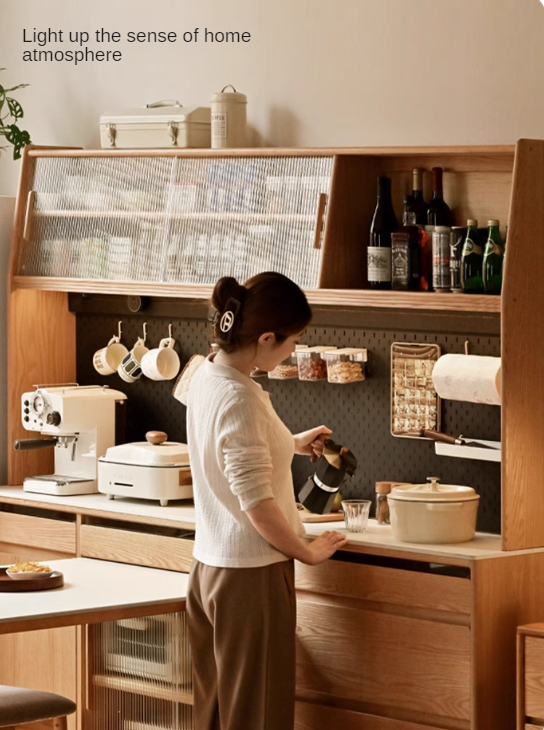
(493,259)
(384,222)
(471,261)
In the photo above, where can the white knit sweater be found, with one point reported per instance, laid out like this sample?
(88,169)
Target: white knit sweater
(240,454)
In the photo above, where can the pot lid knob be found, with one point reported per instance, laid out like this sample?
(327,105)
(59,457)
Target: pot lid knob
(434,483)
(156,437)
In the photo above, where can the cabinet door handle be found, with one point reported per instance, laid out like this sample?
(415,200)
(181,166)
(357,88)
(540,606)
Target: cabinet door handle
(28,214)
(319,222)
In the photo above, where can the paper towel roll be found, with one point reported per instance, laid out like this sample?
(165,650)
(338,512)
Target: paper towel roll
(471,378)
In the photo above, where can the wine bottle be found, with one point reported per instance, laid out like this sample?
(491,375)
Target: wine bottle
(384,222)
(417,203)
(438,212)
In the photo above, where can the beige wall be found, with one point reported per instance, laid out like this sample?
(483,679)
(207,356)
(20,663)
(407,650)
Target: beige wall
(316,72)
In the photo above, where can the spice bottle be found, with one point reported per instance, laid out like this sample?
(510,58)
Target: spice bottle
(382,506)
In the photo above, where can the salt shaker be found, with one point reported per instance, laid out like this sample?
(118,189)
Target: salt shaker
(382,506)
(229,119)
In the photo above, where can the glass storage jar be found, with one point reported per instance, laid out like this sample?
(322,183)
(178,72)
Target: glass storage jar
(288,368)
(311,363)
(346,365)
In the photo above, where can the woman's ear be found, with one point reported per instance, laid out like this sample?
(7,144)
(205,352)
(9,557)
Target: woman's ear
(267,338)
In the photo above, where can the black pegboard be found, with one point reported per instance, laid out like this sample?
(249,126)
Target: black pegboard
(358,414)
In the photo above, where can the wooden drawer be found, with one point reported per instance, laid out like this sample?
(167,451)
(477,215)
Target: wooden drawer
(137,548)
(310,716)
(393,663)
(387,586)
(534,677)
(55,536)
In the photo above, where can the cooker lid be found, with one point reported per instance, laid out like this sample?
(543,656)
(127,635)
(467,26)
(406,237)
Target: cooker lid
(156,451)
(433,491)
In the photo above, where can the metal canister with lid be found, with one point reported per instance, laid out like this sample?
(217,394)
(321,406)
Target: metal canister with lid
(441,258)
(229,119)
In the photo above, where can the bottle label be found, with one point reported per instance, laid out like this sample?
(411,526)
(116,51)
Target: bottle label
(493,247)
(379,263)
(470,247)
(399,262)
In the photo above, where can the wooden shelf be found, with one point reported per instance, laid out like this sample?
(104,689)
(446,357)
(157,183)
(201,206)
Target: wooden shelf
(245,217)
(448,302)
(141,687)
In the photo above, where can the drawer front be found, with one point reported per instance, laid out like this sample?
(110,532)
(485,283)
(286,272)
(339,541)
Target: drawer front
(387,661)
(137,548)
(310,716)
(53,535)
(387,585)
(534,677)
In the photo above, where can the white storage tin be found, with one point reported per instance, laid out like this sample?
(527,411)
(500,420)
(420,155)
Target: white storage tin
(156,126)
(433,513)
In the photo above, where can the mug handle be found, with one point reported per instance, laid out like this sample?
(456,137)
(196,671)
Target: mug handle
(114,340)
(167,342)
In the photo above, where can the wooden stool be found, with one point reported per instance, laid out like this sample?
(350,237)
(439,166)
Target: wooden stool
(21,706)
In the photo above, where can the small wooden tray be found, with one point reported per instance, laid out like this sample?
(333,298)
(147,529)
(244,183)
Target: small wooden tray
(7,584)
(306,516)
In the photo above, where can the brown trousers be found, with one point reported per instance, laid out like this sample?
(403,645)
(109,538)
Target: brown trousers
(242,633)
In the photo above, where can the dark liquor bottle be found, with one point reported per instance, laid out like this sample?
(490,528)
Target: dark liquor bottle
(405,251)
(493,259)
(384,222)
(417,203)
(438,212)
(472,260)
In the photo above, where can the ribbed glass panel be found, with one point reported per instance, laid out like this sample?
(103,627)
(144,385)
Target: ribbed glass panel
(183,220)
(140,675)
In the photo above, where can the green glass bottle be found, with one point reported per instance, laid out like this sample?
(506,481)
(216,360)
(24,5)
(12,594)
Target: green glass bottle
(493,259)
(472,261)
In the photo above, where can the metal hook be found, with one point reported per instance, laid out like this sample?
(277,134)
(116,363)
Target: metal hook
(466,347)
(145,330)
(119,330)
(170,330)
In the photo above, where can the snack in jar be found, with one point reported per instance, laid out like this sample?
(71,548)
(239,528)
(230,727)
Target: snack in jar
(346,365)
(311,363)
(288,368)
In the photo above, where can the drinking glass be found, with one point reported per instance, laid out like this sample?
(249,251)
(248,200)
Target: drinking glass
(356,514)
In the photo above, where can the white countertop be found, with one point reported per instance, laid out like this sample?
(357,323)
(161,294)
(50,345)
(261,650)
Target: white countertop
(182,510)
(92,586)
(484,545)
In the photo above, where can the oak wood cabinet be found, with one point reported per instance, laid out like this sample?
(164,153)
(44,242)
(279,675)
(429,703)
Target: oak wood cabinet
(530,676)
(381,646)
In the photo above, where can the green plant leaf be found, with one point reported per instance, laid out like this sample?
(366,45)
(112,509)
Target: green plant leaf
(18,138)
(15,108)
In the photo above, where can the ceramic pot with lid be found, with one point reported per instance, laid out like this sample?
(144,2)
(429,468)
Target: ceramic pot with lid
(433,513)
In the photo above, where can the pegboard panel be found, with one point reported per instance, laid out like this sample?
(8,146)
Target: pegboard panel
(358,414)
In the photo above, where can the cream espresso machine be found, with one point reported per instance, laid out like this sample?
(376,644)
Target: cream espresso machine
(79,423)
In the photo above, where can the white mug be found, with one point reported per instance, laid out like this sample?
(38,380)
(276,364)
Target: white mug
(161,363)
(107,360)
(130,368)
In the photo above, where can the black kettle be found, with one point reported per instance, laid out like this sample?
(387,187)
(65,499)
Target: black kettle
(320,490)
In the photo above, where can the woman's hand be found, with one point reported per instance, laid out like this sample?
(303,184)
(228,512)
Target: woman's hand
(324,546)
(311,442)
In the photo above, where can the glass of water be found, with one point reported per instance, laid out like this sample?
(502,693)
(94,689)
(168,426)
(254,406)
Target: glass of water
(356,514)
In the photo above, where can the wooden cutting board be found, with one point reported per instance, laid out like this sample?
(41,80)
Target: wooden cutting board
(306,516)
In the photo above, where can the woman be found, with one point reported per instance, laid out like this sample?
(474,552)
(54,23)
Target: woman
(241,600)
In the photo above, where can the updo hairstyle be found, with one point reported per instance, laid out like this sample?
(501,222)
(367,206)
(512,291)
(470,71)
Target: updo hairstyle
(268,302)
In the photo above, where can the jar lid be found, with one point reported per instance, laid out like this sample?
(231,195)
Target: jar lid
(232,96)
(442,229)
(433,492)
(317,349)
(383,487)
(334,352)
